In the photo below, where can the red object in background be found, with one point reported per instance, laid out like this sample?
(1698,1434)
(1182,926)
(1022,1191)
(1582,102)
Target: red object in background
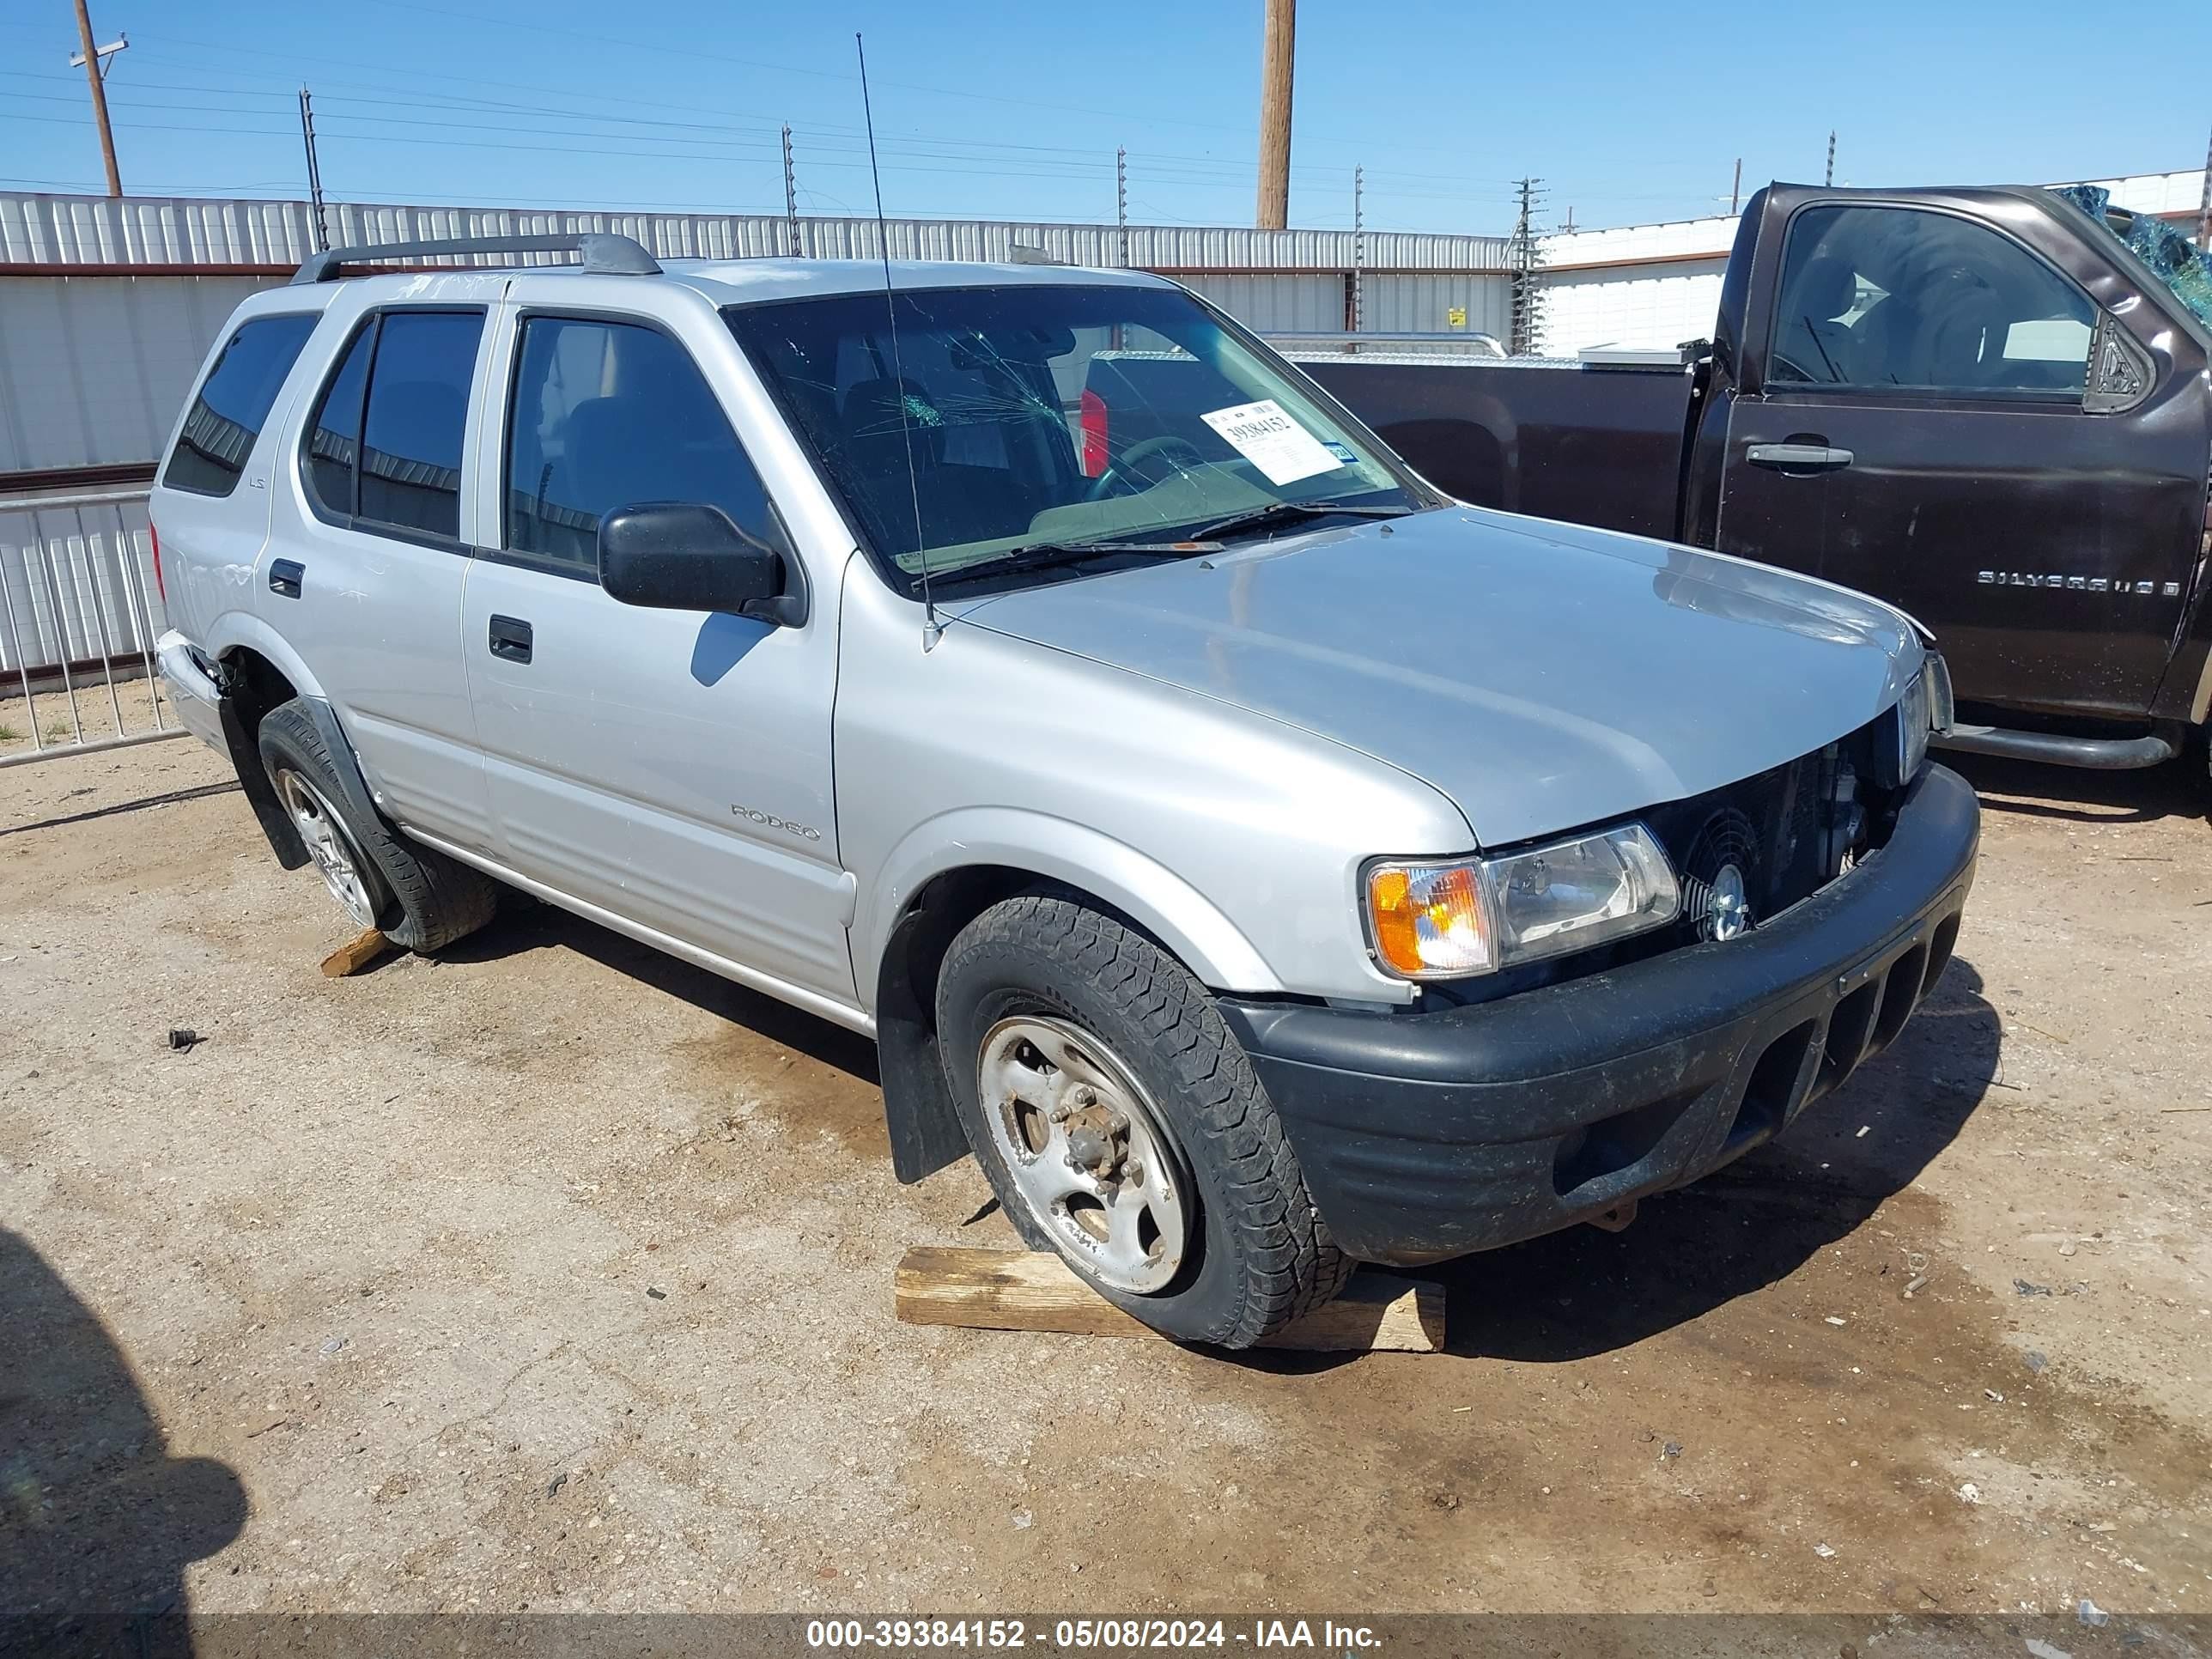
(1093,419)
(162,587)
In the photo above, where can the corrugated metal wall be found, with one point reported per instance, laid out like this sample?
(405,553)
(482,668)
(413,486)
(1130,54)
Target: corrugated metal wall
(1654,307)
(94,369)
(1266,304)
(1423,303)
(42,229)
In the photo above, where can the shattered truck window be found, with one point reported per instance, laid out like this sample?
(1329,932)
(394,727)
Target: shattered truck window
(2185,270)
(1002,418)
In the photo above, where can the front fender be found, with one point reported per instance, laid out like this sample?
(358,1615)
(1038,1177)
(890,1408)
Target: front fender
(1058,849)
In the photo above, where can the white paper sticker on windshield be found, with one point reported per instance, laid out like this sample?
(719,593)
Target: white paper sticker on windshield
(1264,435)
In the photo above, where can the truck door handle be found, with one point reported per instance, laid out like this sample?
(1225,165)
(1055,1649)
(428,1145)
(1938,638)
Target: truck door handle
(510,639)
(1798,458)
(284,576)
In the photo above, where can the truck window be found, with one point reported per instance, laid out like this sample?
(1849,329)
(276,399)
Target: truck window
(384,445)
(233,404)
(608,414)
(1882,297)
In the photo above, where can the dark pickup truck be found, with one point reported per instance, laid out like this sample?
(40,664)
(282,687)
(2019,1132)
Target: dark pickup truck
(1990,407)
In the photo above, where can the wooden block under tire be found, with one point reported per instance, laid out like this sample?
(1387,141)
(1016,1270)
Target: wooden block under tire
(1035,1290)
(356,954)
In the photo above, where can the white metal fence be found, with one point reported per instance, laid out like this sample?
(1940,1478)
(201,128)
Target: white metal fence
(80,612)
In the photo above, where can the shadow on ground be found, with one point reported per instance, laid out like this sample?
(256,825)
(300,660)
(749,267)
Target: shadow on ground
(97,1521)
(2179,789)
(525,925)
(1584,1291)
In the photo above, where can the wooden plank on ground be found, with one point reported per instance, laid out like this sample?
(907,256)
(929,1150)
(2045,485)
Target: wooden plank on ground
(355,955)
(1035,1290)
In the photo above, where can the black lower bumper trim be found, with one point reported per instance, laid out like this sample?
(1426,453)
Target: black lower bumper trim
(1428,1136)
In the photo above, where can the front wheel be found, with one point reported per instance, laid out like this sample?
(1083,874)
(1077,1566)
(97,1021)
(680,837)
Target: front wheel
(1121,1126)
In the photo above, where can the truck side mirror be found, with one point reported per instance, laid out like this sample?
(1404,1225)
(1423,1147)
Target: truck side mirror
(689,556)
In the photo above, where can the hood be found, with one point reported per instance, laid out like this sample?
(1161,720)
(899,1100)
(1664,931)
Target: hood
(1542,675)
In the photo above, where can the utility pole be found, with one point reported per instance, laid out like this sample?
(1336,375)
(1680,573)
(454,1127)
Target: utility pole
(1736,190)
(1358,248)
(790,192)
(1121,197)
(315,170)
(1525,260)
(1276,53)
(1831,178)
(95,71)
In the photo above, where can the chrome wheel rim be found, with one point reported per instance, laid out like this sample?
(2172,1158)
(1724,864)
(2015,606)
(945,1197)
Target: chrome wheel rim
(1088,1156)
(328,845)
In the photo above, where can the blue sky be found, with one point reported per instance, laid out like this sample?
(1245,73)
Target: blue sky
(1631,113)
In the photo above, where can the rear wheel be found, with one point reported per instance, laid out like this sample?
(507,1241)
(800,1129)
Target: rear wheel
(1123,1126)
(421,899)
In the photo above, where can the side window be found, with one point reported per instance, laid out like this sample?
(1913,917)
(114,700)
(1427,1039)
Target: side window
(1880,297)
(233,404)
(334,434)
(418,409)
(385,443)
(608,415)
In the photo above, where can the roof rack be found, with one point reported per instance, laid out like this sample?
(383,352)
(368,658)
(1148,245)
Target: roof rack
(602,252)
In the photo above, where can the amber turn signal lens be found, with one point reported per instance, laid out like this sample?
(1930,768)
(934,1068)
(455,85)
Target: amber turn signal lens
(1428,919)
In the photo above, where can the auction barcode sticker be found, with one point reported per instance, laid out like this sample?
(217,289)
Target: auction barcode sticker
(1264,435)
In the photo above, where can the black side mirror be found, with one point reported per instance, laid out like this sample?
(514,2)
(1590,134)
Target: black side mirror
(686,556)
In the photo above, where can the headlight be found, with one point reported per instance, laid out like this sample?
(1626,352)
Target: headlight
(1925,707)
(1441,920)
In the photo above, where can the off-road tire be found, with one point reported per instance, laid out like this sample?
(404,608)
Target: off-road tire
(1261,1257)
(425,901)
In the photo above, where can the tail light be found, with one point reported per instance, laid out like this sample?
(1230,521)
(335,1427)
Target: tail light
(1093,419)
(153,535)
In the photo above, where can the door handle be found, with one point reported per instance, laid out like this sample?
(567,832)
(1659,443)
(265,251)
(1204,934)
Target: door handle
(510,639)
(284,575)
(1798,458)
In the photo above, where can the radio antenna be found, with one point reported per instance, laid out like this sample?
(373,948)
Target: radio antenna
(931,628)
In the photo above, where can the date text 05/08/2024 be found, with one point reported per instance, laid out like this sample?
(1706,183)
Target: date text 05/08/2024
(1324,1636)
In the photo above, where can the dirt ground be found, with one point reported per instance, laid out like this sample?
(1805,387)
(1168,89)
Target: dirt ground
(554,1274)
(58,715)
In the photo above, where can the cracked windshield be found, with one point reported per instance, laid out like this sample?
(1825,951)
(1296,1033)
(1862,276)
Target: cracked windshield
(1050,425)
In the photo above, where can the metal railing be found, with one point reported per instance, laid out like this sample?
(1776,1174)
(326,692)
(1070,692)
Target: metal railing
(80,613)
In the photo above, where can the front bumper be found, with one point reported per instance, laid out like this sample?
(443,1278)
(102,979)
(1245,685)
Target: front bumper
(1425,1136)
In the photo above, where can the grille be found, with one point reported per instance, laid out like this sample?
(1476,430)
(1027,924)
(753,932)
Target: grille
(1788,831)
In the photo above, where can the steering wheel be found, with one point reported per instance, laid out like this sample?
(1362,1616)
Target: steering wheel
(1123,476)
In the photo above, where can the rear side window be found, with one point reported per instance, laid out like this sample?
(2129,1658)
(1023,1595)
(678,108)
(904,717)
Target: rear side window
(385,445)
(234,404)
(610,414)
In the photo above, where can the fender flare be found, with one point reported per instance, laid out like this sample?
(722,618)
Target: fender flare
(234,629)
(918,1115)
(1174,912)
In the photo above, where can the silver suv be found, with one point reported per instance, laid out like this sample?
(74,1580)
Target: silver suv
(1257,859)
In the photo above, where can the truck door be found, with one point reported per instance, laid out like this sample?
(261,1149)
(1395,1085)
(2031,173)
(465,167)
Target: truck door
(668,766)
(1921,423)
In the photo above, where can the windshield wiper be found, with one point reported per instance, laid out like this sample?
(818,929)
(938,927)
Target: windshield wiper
(1038,555)
(1260,518)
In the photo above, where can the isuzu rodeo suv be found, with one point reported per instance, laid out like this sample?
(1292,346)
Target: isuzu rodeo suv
(1259,861)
